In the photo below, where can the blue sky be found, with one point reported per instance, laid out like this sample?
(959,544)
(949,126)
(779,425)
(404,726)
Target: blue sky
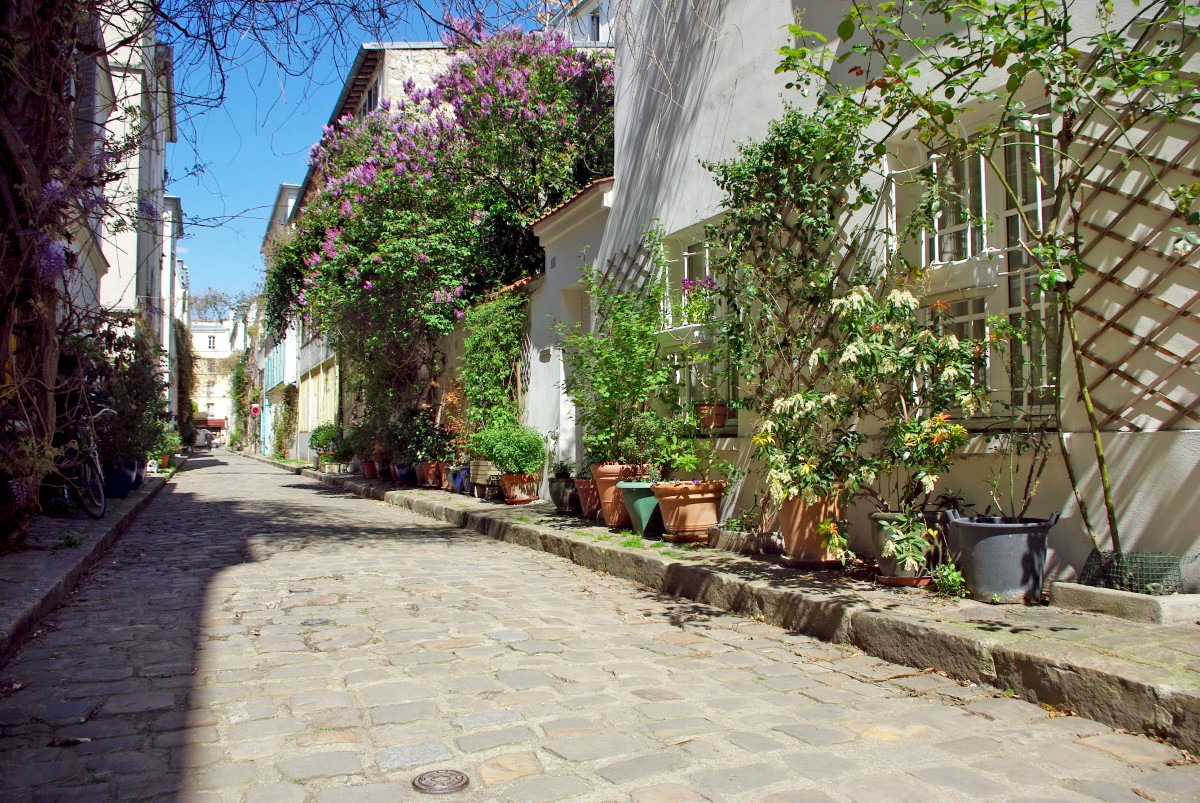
(259,138)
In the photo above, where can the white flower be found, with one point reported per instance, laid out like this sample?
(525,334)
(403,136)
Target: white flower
(829,399)
(950,341)
(902,298)
(815,358)
(849,354)
(928,481)
(949,374)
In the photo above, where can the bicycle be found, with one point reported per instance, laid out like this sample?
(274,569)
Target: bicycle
(78,471)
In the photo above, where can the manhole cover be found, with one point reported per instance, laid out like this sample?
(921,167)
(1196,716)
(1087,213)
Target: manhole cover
(316,622)
(440,782)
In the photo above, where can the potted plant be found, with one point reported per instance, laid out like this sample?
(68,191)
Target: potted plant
(133,389)
(518,453)
(562,488)
(637,493)
(614,372)
(1002,553)
(1003,556)
(810,452)
(323,440)
(688,493)
(585,486)
(897,374)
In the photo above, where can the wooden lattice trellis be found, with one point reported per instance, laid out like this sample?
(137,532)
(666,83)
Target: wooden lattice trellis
(1140,301)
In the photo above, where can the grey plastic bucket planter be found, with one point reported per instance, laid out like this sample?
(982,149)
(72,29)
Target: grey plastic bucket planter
(1002,561)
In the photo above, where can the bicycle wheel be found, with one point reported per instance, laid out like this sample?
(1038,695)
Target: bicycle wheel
(88,490)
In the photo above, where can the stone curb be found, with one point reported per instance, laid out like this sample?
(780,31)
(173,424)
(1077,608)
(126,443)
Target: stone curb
(1112,690)
(61,572)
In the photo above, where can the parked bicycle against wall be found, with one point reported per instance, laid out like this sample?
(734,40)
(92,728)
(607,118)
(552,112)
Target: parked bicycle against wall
(78,476)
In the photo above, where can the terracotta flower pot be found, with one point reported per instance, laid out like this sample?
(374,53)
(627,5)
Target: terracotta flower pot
(689,508)
(612,502)
(799,524)
(369,469)
(519,489)
(712,415)
(589,498)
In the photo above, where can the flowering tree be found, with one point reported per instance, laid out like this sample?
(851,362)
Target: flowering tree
(425,202)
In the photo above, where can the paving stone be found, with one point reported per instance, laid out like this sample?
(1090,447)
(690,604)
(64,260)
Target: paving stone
(405,712)
(138,703)
(276,793)
(486,740)
(69,711)
(507,767)
(817,735)
(482,718)
(569,726)
(666,793)
(739,780)
(411,755)
(754,742)
(818,765)
(321,765)
(961,780)
(263,728)
(524,678)
(1132,749)
(544,790)
(365,793)
(634,769)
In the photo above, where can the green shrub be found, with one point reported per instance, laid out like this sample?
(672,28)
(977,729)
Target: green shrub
(513,449)
(324,438)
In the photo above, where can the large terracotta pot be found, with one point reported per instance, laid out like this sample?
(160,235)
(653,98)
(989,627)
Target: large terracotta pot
(589,498)
(370,470)
(689,508)
(519,489)
(799,523)
(612,502)
(429,474)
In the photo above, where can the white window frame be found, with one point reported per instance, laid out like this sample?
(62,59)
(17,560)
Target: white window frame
(997,272)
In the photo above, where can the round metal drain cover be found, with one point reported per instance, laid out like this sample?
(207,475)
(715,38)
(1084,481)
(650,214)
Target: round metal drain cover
(440,782)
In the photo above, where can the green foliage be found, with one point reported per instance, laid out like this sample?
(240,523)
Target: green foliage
(616,370)
(513,449)
(132,387)
(324,437)
(168,443)
(1107,74)
(949,581)
(185,373)
(490,365)
(283,432)
(907,539)
(833,537)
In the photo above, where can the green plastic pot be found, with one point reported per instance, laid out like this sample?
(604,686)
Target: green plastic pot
(643,507)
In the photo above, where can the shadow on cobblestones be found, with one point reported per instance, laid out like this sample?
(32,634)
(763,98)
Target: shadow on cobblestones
(106,707)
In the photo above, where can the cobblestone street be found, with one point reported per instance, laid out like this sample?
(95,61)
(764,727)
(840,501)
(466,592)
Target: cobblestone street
(257,637)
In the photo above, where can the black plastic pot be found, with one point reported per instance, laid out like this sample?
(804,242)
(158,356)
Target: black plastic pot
(564,495)
(118,478)
(1002,560)
(140,476)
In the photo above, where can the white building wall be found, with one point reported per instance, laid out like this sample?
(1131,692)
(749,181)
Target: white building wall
(694,80)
